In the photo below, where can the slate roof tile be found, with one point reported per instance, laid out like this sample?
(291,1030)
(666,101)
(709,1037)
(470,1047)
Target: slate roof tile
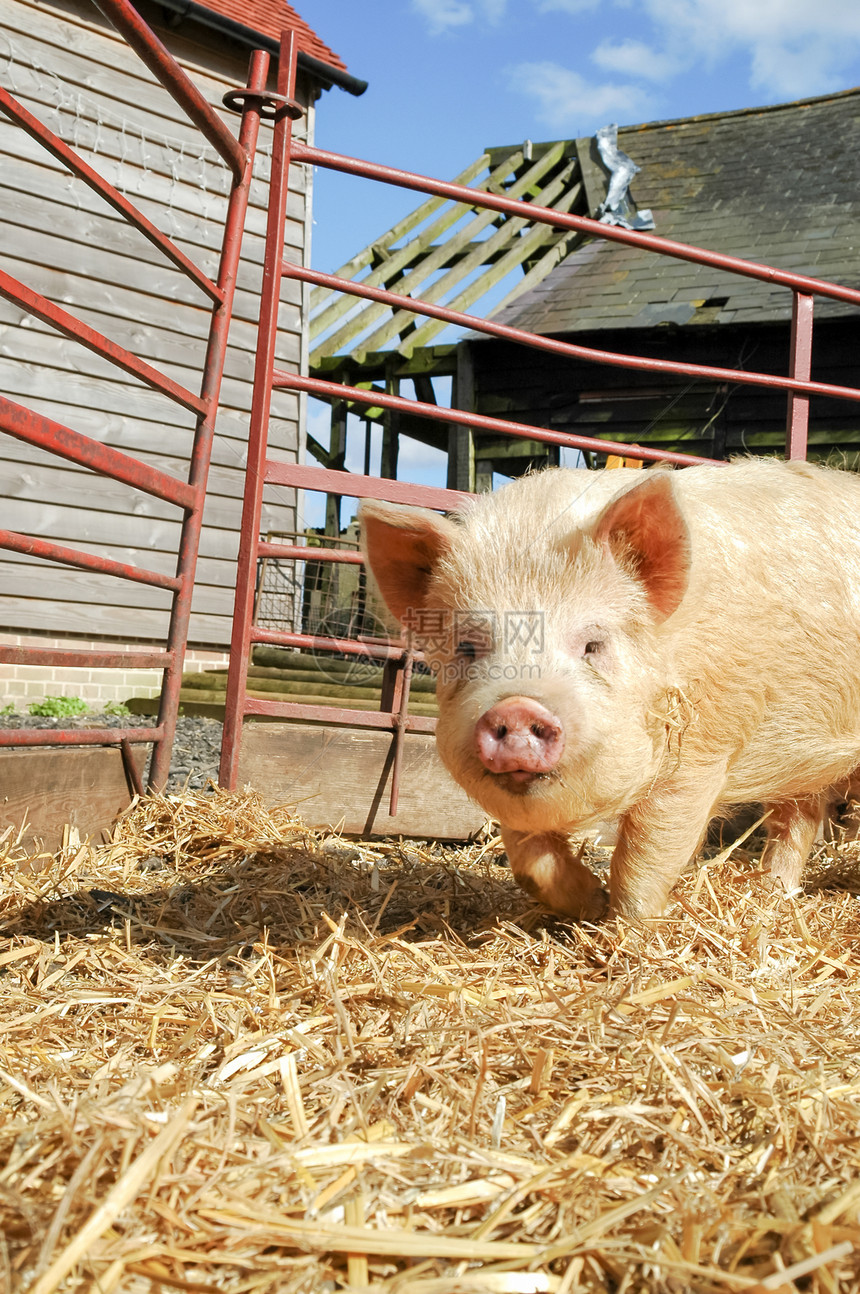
(777,185)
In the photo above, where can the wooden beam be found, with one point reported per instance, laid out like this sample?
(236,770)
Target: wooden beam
(520,249)
(379,247)
(535,151)
(390,434)
(337,461)
(466,263)
(461,441)
(437,361)
(393,268)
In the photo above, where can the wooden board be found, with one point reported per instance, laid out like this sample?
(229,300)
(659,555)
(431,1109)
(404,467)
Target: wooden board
(48,788)
(340,778)
(71,69)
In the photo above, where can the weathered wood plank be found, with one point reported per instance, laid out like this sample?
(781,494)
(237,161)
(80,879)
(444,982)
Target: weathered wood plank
(148,541)
(392,267)
(77,620)
(30,169)
(341,778)
(132,435)
(65,584)
(23,574)
(124,315)
(56,488)
(81,80)
(132,169)
(107,236)
(118,301)
(43,790)
(26,383)
(153,333)
(30,516)
(127,428)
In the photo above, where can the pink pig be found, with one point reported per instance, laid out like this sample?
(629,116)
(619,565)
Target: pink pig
(653,646)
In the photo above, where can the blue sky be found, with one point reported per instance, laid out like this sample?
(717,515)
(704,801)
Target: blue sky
(449,78)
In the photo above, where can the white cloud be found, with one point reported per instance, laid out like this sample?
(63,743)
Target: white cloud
(633,58)
(570,103)
(794,48)
(443,15)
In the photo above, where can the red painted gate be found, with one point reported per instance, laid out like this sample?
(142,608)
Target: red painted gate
(393,715)
(187,495)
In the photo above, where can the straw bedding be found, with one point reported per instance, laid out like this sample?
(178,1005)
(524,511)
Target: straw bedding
(236,1055)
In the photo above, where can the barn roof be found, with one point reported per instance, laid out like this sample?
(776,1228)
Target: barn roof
(777,185)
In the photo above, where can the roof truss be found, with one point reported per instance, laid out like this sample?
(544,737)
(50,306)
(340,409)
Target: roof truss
(454,254)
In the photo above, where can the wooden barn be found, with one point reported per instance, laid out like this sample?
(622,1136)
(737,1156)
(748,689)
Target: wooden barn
(776,185)
(71,69)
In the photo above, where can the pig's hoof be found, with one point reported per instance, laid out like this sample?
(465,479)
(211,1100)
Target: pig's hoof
(780,886)
(593,908)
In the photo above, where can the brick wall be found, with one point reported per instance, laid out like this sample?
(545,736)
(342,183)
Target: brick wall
(22,684)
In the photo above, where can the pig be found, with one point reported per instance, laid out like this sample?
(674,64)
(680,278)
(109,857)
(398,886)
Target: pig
(653,647)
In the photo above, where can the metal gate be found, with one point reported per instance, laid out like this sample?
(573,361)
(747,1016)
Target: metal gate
(393,715)
(237,152)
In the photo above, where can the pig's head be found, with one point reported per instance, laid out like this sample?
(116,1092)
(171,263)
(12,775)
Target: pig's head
(542,610)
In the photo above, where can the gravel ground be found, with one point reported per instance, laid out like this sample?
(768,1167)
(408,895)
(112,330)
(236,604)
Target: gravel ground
(196,750)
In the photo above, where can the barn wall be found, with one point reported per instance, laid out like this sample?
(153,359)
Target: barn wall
(677,413)
(74,73)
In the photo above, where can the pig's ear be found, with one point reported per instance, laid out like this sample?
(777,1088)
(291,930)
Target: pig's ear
(402,546)
(644,529)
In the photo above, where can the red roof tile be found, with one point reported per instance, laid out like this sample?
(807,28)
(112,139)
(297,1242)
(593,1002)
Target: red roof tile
(270,18)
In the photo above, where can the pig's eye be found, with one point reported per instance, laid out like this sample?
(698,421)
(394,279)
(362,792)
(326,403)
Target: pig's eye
(593,647)
(467,650)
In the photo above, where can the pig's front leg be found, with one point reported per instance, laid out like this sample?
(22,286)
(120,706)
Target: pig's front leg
(545,866)
(657,839)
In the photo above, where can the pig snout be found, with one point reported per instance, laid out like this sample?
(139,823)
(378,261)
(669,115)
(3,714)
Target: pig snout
(519,736)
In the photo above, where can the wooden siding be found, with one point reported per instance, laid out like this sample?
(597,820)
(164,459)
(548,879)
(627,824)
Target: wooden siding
(668,412)
(77,76)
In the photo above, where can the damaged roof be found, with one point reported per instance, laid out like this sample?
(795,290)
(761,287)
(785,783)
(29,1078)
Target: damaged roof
(777,185)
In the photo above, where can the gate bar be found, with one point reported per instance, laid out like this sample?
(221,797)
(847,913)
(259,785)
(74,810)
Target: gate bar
(31,547)
(336,391)
(69,158)
(37,429)
(36,304)
(564,220)
(162,64)
(329,480)
(81,736)
(249,534)
(213,372)
(800,366)
(156,659)
(570,350)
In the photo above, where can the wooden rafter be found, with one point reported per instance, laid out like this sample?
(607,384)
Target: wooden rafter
(451,253)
